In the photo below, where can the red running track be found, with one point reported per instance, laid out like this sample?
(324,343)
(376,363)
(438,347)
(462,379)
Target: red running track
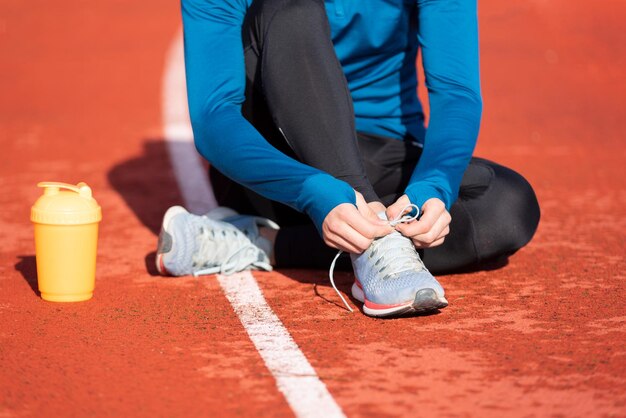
(541,336)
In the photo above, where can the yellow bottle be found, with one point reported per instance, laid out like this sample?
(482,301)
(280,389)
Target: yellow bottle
(66,221)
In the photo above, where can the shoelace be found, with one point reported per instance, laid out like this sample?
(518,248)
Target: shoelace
(405,259)
(402,217)
(226,244)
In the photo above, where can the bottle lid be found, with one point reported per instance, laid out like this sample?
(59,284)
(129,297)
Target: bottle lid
(65,204)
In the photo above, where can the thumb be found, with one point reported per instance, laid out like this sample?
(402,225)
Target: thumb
(367,212)
(374,226)
(395,209)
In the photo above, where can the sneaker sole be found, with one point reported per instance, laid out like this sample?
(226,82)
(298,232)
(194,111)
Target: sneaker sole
(169,215)
(426,300)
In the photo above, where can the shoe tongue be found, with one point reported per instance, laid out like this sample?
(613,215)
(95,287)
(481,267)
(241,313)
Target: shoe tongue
(383,215)
(245,224)
(249,225)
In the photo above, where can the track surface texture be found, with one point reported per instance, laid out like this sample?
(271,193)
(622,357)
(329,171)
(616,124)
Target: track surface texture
(544,335)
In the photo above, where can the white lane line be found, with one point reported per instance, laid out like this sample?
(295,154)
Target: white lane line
(296,379)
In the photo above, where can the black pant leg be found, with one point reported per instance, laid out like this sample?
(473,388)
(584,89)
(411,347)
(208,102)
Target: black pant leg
(496,214)
(297,95)
(389,163)
(297,98)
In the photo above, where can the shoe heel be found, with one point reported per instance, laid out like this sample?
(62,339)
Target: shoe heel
(167,218)
(170,214)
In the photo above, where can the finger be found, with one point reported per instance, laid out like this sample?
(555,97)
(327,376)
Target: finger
(338,230)
(367,211)
(354,238)
(437,230)
(367,228)
(431,245)
(419,227)
(338,242)
(335,241)
(432,210)
(394,210)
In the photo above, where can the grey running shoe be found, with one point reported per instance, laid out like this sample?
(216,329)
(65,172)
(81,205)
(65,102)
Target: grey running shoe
(192,244)
(248,224)
(390,279)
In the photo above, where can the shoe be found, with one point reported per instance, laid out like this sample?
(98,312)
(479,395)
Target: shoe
(391,279)
(248,224)
(192,244)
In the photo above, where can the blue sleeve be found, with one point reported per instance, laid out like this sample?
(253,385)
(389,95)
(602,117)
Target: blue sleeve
(448,38)
(215,68)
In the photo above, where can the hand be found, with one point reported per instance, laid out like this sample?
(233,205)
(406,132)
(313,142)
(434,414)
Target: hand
(352,229)
(431,228)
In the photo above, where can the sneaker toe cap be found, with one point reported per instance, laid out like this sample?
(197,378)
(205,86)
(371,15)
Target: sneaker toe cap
(404,287)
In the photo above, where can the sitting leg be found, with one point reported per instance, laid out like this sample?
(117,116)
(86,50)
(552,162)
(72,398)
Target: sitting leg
(496,214)
(297,98)
(295,78)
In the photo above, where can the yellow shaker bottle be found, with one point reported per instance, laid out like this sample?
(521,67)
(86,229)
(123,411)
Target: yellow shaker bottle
(66,220)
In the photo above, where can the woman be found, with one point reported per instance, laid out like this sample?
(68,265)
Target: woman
(312,106)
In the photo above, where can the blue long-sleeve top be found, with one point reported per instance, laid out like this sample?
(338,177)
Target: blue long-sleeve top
(376,42)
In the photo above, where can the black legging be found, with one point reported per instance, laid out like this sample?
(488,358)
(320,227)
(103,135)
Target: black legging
(298,99)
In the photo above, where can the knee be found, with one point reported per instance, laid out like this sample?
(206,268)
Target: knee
(302,12)
(518,208)
(297,20)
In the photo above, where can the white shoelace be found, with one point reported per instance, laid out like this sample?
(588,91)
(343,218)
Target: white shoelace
(400,218)
(233,247)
